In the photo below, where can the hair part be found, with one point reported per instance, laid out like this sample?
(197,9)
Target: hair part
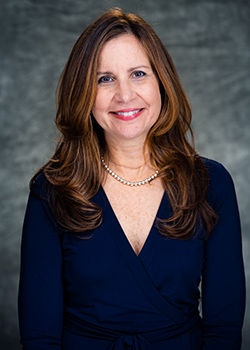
(74,173)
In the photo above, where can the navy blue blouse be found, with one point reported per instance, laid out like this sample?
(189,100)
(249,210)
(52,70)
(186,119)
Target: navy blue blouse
(97,294)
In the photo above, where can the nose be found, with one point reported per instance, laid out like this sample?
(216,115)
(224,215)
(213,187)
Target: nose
(125,92)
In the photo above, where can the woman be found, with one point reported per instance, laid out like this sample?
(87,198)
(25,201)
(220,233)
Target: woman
(126,218)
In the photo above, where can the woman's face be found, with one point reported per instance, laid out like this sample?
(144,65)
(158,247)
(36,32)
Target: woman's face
(128,100)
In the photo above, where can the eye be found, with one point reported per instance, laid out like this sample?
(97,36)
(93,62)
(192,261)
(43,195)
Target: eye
(105,79)
(138,74)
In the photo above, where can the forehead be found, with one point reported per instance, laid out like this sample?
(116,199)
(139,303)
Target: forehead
(123,49)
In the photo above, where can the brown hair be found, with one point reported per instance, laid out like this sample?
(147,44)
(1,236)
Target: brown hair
(74,172)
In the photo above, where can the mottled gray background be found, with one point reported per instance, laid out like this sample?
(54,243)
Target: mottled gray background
(209,42)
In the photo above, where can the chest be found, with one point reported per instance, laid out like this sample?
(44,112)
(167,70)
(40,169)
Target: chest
(95,267)
(136,210)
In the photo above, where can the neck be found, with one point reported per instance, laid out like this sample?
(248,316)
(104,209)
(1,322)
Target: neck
(128,159)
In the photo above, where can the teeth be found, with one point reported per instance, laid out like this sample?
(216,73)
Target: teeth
(127,114)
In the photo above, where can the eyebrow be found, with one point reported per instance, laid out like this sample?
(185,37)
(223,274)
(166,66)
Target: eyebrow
(130,70)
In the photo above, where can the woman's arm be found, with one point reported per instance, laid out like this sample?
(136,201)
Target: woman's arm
(41,280)
(223,281)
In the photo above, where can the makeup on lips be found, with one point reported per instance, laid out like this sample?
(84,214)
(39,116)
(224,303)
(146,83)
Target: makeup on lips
(127,114)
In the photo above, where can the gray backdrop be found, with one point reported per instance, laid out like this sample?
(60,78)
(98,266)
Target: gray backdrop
(209,42)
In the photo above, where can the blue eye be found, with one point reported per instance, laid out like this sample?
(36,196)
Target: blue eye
(104,79)
(139,74)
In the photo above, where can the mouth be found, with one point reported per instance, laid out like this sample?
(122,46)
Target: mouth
(128,114)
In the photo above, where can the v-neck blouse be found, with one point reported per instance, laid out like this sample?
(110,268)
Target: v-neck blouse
(109,212)
(90,293)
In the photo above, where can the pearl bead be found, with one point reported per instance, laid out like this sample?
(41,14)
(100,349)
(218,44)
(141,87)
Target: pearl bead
(125,182)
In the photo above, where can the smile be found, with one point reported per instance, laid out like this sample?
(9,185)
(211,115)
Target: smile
(128,114)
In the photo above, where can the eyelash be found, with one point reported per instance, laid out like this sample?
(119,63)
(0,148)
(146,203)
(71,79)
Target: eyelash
(137,74)
(104,77)
(142,74)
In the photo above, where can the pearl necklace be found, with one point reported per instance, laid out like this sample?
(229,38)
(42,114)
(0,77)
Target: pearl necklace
(129,183)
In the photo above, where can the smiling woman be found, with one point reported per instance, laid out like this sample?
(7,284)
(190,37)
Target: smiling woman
(127,90)
(126,219)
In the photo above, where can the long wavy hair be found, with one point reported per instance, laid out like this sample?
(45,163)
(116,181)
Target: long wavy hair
(74,173)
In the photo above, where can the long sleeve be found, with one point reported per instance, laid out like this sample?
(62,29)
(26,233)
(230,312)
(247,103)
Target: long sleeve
(223,281)
(40,299)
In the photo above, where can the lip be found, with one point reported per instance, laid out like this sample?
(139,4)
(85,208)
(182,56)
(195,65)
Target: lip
(128,114)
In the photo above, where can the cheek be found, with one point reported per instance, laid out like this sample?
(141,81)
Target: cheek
(100,110)
(153,94)
(97,104)
(155,98)
(102,102)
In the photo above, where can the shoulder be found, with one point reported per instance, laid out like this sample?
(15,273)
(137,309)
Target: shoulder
(39,185)
(40,199)
(220,181)
(216,170)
